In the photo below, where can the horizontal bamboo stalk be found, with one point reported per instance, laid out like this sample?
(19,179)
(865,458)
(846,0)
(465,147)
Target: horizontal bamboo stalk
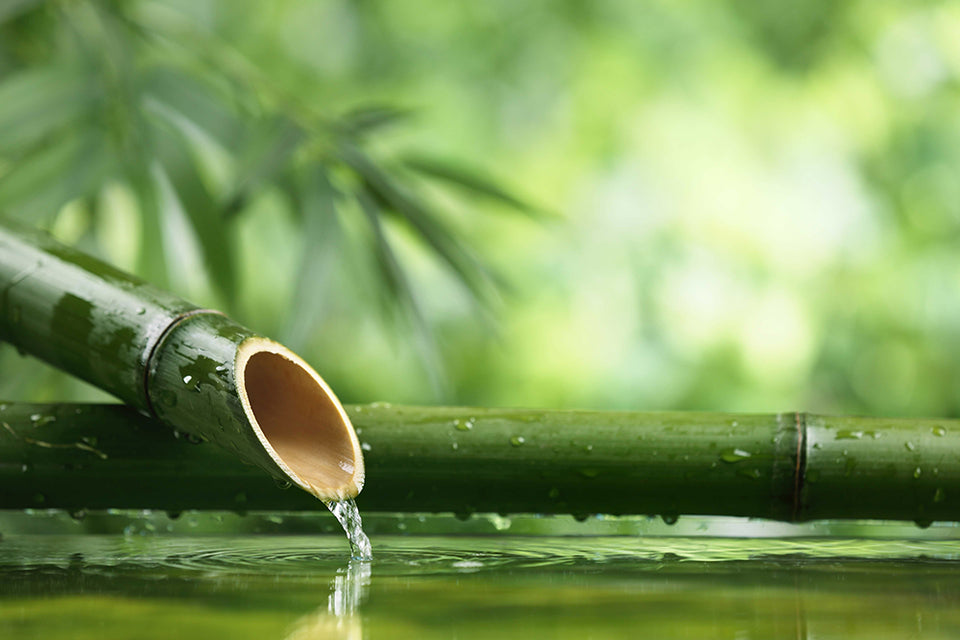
(791,467)
(193,369)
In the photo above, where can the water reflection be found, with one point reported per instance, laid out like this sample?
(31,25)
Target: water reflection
(476,587)
(349,588)
(320,625)
(340,619)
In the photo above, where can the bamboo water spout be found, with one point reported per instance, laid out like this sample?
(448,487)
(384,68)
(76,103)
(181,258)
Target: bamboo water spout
(193,369)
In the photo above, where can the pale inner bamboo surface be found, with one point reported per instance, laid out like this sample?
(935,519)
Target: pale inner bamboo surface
(300,421)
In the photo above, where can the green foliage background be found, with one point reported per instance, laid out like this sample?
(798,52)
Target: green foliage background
(736,205)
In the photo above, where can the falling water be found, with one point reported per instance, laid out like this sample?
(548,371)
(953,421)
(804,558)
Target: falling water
(349,516)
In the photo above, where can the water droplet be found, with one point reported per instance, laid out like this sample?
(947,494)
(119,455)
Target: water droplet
(938,495)
(187,379)
(669,518)
(39,419)
(734,455)
(734,424)
(24,468)
(517,441)
(365,446)
(141,311)
(817,445)
(923,523)
(938,431)
(580,517)
(78,514)
(463,516)
(463,425)
(910,446)
(454,446)
(282,483)
(848,434)
(346,466)
(917,472)
(753,474)
(275,519)
(90,440)
(588,448)
(174,515)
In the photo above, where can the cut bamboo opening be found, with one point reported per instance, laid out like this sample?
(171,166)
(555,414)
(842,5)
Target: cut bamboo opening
(298,420)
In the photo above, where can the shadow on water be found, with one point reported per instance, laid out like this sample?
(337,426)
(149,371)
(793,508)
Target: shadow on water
(95,586)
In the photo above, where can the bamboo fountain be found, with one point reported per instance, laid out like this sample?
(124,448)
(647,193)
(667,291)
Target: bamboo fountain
(234,397)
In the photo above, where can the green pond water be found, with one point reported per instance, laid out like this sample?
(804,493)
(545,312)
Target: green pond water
(265,585)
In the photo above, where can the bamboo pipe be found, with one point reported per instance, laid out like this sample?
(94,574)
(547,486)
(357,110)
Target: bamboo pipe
(193,369)
(792,467)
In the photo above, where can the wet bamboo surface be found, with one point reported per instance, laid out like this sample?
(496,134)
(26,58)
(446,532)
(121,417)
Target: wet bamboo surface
(172,360)
(790,466)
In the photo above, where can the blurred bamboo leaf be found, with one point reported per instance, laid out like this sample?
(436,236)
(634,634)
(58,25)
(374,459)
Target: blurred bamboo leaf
(151,258)
(196,102)
(391,197)
(38,103)
(401,292)
(372,118)
(315,198)
(10,9)
(468,179)
(172,148)
(391,272)
(45,180)
(266,152)
(197,131)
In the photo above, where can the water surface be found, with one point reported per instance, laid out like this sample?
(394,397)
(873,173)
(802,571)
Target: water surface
(269,586)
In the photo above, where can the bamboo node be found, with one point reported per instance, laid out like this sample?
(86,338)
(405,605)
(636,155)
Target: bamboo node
(153,348)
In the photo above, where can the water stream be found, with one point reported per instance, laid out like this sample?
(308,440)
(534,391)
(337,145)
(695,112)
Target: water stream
(349,516)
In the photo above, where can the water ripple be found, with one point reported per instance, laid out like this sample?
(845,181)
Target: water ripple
(321,557)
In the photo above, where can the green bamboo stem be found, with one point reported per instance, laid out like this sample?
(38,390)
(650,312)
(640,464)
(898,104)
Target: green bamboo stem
(193,369)
(791,467)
